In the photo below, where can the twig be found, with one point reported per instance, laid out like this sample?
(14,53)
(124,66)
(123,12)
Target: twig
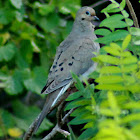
(98,3)
(57,128)
(134,17)
(92,6)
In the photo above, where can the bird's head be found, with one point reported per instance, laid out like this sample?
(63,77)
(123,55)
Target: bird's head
(86,14)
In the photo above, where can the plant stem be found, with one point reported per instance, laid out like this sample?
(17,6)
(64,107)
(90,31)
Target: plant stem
(132,13)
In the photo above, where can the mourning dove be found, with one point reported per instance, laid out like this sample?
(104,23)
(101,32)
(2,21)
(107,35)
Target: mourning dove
(73,54)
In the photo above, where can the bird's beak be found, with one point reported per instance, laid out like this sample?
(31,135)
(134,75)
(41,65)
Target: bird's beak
(96,18)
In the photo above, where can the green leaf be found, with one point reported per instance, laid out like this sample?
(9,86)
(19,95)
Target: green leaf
(14,84)
(6,15)
(109,79)
(129,68)
(48,23)
(46,9)
(78,84)
(74,96)
(112,50)
(72,135)
(102,32)
(115,36)
(113,87)
(113,103)
(37,80)
(80,110)
(126,42)
(88,133)
(114,21)
(131,117)
(77,103)
(16,3)
(82,118)
(122,4)
(7,119)
(109,59)
(129,21)
(24,120)
(135,31)
(125,14)
(136,40)
(132,105)
(110,69)
(129,60)
(7,52)
(110,7)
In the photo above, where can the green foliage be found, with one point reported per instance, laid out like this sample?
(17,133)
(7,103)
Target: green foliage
(112,112)
(30,32)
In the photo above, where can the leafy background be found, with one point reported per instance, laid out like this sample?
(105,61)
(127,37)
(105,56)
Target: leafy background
(30,31)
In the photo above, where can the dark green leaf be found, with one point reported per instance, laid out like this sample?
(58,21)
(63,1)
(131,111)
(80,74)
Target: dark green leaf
(7,52)
(115,36)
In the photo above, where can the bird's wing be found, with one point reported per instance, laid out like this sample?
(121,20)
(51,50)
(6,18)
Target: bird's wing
(76,57)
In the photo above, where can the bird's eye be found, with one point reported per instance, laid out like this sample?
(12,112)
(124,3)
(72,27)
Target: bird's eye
(87,13)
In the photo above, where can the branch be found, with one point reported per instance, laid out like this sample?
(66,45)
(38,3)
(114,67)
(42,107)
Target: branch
(134,17)
(32,127)
(58,126)
(98,3)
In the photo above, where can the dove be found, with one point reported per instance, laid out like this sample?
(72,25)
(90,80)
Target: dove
(73,55)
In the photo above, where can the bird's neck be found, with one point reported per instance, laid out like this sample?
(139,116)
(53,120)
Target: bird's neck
(83,27)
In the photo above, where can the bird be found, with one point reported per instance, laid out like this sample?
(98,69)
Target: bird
(72,55)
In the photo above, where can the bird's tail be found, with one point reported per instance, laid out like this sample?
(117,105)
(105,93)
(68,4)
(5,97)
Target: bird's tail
(46,109)
(50,102)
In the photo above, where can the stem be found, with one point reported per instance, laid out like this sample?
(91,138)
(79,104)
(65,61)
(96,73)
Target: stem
(130,7)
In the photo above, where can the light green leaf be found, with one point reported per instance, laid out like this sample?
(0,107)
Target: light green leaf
(129,21)
(112,50)
(122,4)
(129,68)
(109,59)
(126,41)
(134,88)
(16,3)
(125,14)
(136,40)
(132,105)
(135,31)
(131,117)
(114,21)
(113,103)
(106,112)
(110,7)
(110,69)
(109,79)
(129,60)
(113,87)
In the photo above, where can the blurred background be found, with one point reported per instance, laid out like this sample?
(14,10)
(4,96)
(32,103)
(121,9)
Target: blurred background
(30,31)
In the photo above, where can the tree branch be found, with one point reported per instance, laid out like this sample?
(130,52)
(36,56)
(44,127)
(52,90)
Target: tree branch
(32,127)
(58,126)
(134,17)
(98,3)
